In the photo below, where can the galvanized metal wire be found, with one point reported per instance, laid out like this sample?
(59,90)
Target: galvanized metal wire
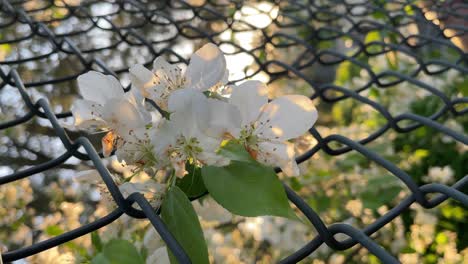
(320,20)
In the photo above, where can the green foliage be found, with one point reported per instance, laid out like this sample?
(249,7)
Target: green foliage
(461,86)
(409,10)
(100,259)
(118,251)
(182,221)
(53,230)
(192,183)
(380,191)
(373,36)
(96,241)
(235,151)
(346,71)
(246,187)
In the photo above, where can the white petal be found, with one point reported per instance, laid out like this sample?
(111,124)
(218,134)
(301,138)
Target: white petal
(185,106)
(184,98)
(142,78)
(169,77)
(87,114)
(149,84)
(134,97)
(146,187)
(185,123)
(151,240)
(209,144)
(97,87)
(212,159)
(249,97)
(122,116)
(207,68)
(160,256)
(163,137)
(278,154)
(163,68)
(126,153)
(215,117)
(290,168)
(133,149)
(166,71)
(286,117)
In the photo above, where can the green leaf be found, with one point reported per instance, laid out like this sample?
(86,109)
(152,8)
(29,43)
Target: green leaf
(247,189)
(373,36)
(375,199)
(118,251)
(100,259)
(235,151)
(192,183)
(53,230)
(409,10)
(182,221)
(96,241)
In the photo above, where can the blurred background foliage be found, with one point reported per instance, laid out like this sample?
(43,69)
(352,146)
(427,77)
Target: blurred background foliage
(343,188)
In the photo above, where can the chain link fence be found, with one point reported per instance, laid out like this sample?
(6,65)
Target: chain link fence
(295,40)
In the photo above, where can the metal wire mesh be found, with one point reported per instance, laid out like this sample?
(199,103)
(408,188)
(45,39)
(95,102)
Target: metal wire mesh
(154,28)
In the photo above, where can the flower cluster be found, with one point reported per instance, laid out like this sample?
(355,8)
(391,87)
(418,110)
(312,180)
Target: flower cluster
(194,116)
(228,136)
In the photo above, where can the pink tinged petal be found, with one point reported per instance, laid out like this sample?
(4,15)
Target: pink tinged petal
(97,87)
(216,118)
(286,117)
(87,114)
(207,68)
(249,97)
(278,154)
(142,78)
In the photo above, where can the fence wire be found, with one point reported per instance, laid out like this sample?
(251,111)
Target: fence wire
(154,28)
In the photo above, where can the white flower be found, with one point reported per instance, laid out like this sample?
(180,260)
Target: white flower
(211,211)
(206,70)
(106,107)
(266,127)
(195,130)
(155,247)
(442,175)
(152,191)
(160,256)
(138,148)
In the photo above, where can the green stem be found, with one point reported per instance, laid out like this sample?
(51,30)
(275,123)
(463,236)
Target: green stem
(171,181)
